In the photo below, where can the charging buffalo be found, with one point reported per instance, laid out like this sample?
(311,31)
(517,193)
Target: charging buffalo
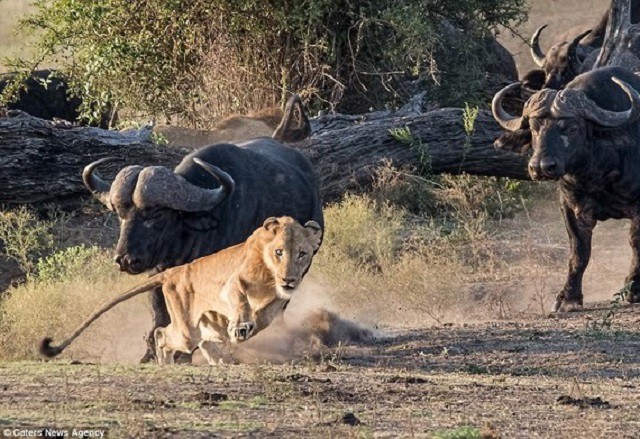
(214,199)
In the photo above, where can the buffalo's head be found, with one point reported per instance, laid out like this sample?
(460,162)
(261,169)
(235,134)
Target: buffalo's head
(154,206)
(559,125)
(558,66)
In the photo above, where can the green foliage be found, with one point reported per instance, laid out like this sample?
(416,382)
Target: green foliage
(65,264)
(25,237)
(200,58)
(402,135)
(465,432)
(469,116)
(608,316)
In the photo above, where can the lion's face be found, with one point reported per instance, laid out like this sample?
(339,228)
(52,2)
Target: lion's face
(288,250)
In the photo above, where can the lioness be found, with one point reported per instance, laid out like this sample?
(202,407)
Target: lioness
(229,295)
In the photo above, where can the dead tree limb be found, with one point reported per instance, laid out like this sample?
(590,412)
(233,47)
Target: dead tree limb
(41,161)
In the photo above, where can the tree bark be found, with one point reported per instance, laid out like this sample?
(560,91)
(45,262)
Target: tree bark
(42,161)
(344,159)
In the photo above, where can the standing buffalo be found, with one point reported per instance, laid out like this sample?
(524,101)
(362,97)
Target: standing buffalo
(587,137)
(567,59)
(214,199)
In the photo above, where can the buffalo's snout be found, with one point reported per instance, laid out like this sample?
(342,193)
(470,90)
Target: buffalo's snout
(548,167)
(130,264)
(545,168)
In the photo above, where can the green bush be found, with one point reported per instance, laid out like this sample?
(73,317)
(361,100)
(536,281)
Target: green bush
(25,237)
(200,58)
(65,264)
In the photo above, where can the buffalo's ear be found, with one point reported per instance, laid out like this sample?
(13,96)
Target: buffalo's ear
(534,80)
(315,234)
(271,223)
(517,141)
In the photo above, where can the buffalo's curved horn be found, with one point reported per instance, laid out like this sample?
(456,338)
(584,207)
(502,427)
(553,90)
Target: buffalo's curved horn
(506,120)
(98,187)
(536,53)
(158,186)
(226,181)
(294,126)
(573,46)
(573,102)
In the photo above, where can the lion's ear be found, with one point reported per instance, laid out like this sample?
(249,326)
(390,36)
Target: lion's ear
(315,233)
(271,223)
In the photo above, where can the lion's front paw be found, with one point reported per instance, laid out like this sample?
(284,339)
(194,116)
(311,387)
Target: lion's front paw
(241,331)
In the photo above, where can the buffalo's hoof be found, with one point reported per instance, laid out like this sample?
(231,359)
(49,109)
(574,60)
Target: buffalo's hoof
(148,357)
(570,306)
(567,305)
(632,296)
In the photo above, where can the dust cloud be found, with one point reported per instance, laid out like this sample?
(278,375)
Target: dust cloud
(308,327)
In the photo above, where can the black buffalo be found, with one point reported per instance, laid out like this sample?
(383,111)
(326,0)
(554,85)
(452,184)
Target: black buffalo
(46,95)
(215,198)
(587,136)
(567,59)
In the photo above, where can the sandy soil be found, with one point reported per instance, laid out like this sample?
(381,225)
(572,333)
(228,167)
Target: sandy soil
(548,377)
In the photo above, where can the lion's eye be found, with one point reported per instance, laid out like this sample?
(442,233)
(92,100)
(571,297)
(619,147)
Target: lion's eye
(302,254)
(279,252)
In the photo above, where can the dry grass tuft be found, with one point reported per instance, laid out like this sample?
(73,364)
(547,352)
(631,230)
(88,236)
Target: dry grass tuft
(68,286)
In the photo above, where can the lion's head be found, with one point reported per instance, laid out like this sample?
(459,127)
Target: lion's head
(287,251)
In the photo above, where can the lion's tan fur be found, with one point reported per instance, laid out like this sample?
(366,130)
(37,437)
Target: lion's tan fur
(234,129)
(228,296)
(289,126)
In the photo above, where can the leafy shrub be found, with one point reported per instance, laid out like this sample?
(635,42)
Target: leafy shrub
(66,264)
(25,237)
(197,59)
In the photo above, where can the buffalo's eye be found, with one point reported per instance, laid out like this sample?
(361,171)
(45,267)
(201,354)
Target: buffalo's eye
(279,252)
(572,130)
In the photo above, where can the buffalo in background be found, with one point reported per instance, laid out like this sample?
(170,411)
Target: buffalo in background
(46,95)
(567,59)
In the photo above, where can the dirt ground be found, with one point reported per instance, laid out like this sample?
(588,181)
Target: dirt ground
(558,377)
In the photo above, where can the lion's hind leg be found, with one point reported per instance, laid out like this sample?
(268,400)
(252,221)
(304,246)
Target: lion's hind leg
(170,341)
(164,353)
(213,333)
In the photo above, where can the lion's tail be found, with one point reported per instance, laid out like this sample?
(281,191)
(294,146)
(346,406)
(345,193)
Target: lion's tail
(294,126)
(48,350)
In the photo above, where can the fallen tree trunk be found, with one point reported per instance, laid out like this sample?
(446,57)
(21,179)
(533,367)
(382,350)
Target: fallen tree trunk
(344,159)
(41,161)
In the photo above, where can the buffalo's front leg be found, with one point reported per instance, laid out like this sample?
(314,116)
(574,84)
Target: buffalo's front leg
(580,229)
(633,294)
(161,319)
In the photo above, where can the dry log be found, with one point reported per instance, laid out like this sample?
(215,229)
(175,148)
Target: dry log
(41,161)
(344,159)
